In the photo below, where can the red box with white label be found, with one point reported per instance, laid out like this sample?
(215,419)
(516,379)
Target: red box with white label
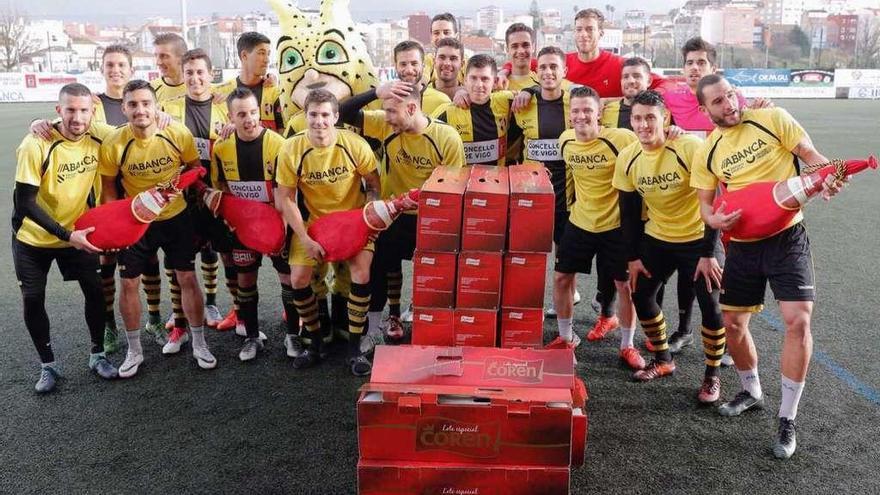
(476,327)
(532,206)
(484,224)
(434,279)
(479,280)
(522,327)
(474,425)
(423,478)
(440,209)
(433,326)
(523,276)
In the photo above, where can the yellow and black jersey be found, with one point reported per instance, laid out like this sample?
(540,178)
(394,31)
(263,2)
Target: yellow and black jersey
(165,91)
(483,128)
(542,122)
(109,111)
(616,114)
(327,178)
(144,163)
(247,167)
(519,83)
(662,178)
(590,166)
(267,97)
(204,119)
(409,159)
(433,99)
(66,173)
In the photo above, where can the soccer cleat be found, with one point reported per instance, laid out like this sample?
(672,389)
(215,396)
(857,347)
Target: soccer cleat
(306,360)
(680,340)
(741,403)
(48,376)
(407,315)
(213,317)
(786,439)
(656,369)
(294,345)
(249,349)
(393,328)
(203,356)
(111,339)
(371,339)
(710,390)
(360,365)
(131,364)
(726,360)
(560,343)
(603,327)
(157,332)
(100,365)
(169,325)
(632,358)
(595,304)
(177,338)
(577,298)
(228,322)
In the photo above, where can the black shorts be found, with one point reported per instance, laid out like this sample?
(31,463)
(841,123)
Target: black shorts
(578,247)
(398,242)
(663,258)
(210,230)
(32,265)
(560,220)
(248,261)
(175,236)
(784,260)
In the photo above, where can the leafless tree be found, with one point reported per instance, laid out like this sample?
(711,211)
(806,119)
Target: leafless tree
(15,44)
(867,54)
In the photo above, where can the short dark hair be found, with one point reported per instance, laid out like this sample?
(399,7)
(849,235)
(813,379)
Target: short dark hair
(74,89)
(634,61)
(518,27)
(117,49)
(650,98)
(451,43)
(319,96)
(552,50)
(135,85)
(698,44)
(405,46)
(250,40)
(481,60)
(585,92)
(171,39)
(709,80)
(446,16)
(240,93)
(196,54)
(587,13)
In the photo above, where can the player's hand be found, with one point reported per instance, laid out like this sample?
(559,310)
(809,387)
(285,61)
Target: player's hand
(211,197)
(461,99)
(722,220)
(218,98)
(761,103)
(163,120)
(313,249)
(42,128)
(521,101)
(226,131)
(501,81)
(831,186)
(711,272)
(270,80)
(673,132)
(636,268)
(79,240)
(409,203)
(397,90)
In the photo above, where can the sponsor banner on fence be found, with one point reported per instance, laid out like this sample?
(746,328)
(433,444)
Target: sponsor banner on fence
(758,77)
(863,93)
(788,92)
(857,78)
(812,77)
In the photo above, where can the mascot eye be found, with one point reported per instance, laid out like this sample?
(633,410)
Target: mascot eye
(290,59)
(331,52)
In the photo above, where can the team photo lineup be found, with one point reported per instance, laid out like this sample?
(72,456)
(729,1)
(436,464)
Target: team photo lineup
(654,180)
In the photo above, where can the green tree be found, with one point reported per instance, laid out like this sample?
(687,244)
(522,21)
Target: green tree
(799,38)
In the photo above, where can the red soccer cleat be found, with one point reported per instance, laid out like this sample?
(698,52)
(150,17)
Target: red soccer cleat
(710,391)
(632,358)
(603,327)
(229,322)
(656,369)
(560,343)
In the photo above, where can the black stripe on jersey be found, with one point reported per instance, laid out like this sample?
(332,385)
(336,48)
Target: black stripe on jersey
(795,162)
(678,159)
(550,117)
(302,160)
(712,154)
(96,139)
(564,143)
(125,152)
(608,143)
(169,142)
(45,165)
(436,148)
(483,122)
(624,113)
(629,166)
(249,155)
(385,151)
(350,158)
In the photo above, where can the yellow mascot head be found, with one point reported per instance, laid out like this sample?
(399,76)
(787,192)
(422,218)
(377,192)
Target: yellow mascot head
(327,52)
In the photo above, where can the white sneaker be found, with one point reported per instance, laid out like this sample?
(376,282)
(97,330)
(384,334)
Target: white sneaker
(212,316)
(577,297)
(204,357)
(726,360)
(407,315)
(176,339)
(371,339)
(131,364)
(250,349)
(294,346)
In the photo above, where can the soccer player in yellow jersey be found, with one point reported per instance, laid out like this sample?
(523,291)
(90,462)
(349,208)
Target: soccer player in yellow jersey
(169,49)
(657,171)
(750,146)
(244,165)
(443,26)
(449,56)
(483,127)
(409,59)
(145,157)
(519,40)
(593,227)
(414,144)
(116,67)
(55,183)
(254,50)
(325,167)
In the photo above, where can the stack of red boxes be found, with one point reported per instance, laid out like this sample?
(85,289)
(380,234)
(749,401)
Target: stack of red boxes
(466,288)
(470,420)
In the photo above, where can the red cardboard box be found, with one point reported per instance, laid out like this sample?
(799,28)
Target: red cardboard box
(524,276)
(440,209)
(473,366)
(579,425)
(522,327)
(433,326)
(434,279)
(476,327)
(532,204)
(474,425)
(479,280)
(486,199)
(382,478)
